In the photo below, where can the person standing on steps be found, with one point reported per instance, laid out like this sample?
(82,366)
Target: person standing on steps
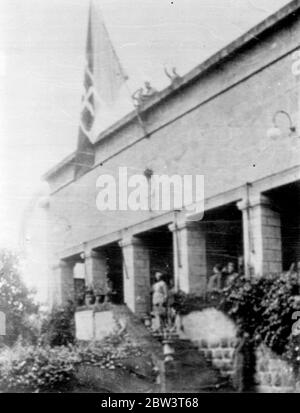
(159,300)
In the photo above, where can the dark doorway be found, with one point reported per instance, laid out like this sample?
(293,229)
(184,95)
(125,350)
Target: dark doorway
(224,236)
(79,281)
(115,272)
(160,244)
(287,201)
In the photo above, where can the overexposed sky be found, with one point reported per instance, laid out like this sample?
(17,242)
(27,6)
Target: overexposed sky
(42,46)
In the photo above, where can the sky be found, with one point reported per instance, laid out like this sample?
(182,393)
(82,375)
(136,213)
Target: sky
(42,50)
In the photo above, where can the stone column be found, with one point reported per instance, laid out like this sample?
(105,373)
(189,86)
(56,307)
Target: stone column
(262,236)
(248,245)
(136,272)
(62,283)
(189,256)
(96,270)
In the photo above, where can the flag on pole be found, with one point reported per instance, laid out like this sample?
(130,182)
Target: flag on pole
(103,79)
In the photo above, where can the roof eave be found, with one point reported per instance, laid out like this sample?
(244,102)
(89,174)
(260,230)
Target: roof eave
(253,34)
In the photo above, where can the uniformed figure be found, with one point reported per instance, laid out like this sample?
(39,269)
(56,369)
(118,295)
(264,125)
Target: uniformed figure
(159,299)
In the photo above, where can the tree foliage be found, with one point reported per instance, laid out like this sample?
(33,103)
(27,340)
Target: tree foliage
(16,300)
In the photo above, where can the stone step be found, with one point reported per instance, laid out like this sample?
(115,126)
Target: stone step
(188,377)
(189,371)
(187,345)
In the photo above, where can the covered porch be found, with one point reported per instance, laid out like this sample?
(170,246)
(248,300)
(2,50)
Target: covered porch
(255,227)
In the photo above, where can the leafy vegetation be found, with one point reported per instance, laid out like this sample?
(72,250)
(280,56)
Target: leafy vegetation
(263,308)
(45,368)
(16,301)
(36,368)
(186,303)
(58,329)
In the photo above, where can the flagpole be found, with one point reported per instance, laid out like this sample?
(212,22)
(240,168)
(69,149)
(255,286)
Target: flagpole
(137,112)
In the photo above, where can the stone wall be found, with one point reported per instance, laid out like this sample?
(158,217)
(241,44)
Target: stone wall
(91,325)
(220,354)
(214,334)
(274,375)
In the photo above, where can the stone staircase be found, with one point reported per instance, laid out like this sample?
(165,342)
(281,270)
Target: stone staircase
(184,370)
(188,371)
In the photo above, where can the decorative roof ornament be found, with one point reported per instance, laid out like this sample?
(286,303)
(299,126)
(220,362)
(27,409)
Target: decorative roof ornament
(172,75)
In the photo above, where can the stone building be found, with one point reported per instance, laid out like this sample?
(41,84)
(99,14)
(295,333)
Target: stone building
(220,121)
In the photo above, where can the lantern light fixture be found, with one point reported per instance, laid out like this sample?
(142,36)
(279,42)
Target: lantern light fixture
(275,132)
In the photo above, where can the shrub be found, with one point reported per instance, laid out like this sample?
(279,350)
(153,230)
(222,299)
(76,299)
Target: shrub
(111,352)
(59,328)
(37,369)
(186,303)
(49,369)
(243,302)
(263,308)
(292,354)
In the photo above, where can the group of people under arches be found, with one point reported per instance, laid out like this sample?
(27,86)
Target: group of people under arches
(222,277)
(163,291)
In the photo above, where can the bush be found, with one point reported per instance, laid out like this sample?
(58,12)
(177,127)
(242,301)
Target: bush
(292,354)
(37,369)
(186,303)
(59,328)
(111,352)
(263,308)
(53,369)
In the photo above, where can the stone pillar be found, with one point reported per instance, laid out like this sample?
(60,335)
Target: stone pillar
(96,270)
(189,257)
(62,283)
(262,236)
(136,272)
(244,206)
